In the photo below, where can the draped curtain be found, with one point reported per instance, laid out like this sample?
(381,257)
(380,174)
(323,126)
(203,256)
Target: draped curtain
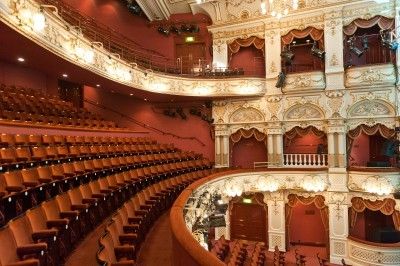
(386,207)
(383,23)
(315,34)
(298,131)
(353,134)
(234,46)
(248,133)
(319,202)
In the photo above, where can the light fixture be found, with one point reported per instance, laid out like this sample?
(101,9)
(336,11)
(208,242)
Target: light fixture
(98,85)
(364,41)
(38,22)
(267,184)
(130,94)
(287,55)
(65,75)
(21,59)
(202,90)
(313,184)
(279,8)
(233,190)
(317,52)
(377,185)
(281,80)
(35,20)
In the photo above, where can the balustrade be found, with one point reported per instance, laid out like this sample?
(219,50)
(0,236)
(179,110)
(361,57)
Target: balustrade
(305,160)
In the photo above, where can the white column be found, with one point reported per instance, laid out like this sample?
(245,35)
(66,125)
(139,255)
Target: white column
(338,226)
(225,153)
(333,42)
(270,143)
(272,60)
(342,153)
(217,151)
(227,225)
(276,224)
(331,150)
(397,25)
(279,148)
(220,53)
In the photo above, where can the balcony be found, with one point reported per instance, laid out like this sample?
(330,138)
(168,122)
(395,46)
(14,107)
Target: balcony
(371,76)
(313,81)
(305,160)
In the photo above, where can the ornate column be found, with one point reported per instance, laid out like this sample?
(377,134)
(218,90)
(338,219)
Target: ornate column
(220,53)
(337,156)
(333,42)
(275,145)
(224,230)
(338,225)
(221,146)
(276,220)
(397,25)
(272,60)
(331,149)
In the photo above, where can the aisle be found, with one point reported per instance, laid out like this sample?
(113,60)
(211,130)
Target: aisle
(85,253)
(157,248)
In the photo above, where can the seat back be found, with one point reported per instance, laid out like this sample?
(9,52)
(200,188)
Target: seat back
(37,218)
(8,247)
(22,230)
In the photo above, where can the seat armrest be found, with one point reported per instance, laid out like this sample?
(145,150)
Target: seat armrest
(79,207)
(130,228)
(44,234)
(31,249)
(14,188)
(106,191)
(146,207)
(151,202)
(124,263)
(69,214)
(59,223)
(124,251)
(89,200)
(98,195)
(134,220)
(127,238)
(29,262)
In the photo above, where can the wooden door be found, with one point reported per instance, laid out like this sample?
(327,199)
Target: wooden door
(190,54)
(248,222)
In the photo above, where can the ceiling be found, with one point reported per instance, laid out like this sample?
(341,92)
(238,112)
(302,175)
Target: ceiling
(163,9)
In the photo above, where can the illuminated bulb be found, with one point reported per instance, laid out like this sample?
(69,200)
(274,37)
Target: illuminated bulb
(88,56)
(39,22)
(279,16)
(286,11)
(273,13)
(25,15)
(198,1)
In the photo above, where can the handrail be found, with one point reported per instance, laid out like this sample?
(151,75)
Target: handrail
(141,123)
(375,244)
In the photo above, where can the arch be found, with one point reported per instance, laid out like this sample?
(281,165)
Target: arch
(304,112)
(370,108)
(246,115)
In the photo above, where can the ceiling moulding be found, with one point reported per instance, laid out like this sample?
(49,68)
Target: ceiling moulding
(154,10)
(66,42)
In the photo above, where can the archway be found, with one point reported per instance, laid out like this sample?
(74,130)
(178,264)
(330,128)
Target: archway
(249,218)
(307,225)
(374,221)
(247,147)
(371,146)
(305,146)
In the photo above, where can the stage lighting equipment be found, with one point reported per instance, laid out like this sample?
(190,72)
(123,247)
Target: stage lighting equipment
(287,55)
(180,112)
(364,41)
(317,52)
(355,50)
(388,40)
(281,80)
(175,30)
(163,31)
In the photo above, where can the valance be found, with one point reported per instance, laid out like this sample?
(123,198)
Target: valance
(382,129)
(234,46)
(315,34)
(383,23)
(248,133)
(385,206)
(298,131)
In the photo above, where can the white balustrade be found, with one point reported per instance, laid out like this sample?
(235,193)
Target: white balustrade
(305,160)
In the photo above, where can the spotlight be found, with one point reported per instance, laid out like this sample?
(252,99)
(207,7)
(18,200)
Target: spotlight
(169,113)
(364,41)
(317,52)
(194,111)
(163,31)
(180,112)
(287,55)
(388,41)
(175,30)
(194,28)
(355,50)
(186,28)
(281,80)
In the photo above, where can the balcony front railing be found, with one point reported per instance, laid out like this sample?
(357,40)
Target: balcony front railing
(305,160)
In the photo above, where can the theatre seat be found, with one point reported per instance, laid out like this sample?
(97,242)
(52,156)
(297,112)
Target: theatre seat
(113,255)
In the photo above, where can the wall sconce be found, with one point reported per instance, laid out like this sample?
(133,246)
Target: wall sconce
(317,52)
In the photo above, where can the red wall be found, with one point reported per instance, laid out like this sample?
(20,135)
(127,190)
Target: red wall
(359,154)
(12,74)
(306,228)
(358,230)
(247,151)
(305,144)
(247,59)
(116,16)
(148,113)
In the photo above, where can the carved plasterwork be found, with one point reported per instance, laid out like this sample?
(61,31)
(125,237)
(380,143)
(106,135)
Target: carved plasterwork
(304,112)
(356,179)
(304,81)
(246,115)
(368,108)
(370,76)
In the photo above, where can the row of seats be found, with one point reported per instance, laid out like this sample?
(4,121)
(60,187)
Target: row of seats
(128,227)
(28,105)
(44,235)
(7,140)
